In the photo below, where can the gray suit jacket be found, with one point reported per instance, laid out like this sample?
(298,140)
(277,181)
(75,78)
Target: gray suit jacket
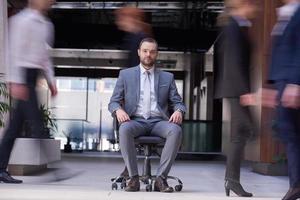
(127,92)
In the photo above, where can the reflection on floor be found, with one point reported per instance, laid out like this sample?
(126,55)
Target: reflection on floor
(202,180)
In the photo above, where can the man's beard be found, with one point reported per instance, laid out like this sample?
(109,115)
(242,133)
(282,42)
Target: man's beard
(148,64)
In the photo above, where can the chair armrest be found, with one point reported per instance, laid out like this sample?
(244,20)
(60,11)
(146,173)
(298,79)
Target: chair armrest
(116,128)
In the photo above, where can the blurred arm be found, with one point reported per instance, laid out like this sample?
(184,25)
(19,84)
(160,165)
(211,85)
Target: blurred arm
(48,65)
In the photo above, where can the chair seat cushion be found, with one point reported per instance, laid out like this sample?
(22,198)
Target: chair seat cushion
(149,140)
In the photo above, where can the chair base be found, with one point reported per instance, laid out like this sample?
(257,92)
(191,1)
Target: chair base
(146,180)
(149,147)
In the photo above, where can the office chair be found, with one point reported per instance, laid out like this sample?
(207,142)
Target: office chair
(148,145)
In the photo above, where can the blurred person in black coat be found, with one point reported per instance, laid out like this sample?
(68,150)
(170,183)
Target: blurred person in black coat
(131,20)
(233,83)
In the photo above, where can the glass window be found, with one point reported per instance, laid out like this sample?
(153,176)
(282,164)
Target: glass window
(63,84)
(70,102)
(78,84)
(83,114)
(179,85)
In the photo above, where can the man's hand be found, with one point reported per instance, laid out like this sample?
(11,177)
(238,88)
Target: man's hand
(19,91)
(122,116)
(53,90)
(291,96)
(249,99)
(176,117)
(268,97)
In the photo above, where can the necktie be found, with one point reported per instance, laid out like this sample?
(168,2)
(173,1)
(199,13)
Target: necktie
(147,95)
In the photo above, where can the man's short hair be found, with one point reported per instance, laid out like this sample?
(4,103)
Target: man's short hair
(148,39)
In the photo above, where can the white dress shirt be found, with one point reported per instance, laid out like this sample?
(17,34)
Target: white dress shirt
(242,22)
(284,13)
(30,36)
(154,110)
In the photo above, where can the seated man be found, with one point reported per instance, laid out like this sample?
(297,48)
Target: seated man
(145,94)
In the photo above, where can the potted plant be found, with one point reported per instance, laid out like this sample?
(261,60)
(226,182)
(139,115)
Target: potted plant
(4,106)
(50,125)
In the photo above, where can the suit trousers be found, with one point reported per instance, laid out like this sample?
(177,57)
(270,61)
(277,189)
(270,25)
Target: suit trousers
(22,111)
(241,131)
(288,131)
(136,127)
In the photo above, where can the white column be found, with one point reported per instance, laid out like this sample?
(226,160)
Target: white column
(3,36)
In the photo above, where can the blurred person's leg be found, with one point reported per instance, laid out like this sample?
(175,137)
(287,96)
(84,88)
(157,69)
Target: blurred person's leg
(241,131)
(293,156)
(13,131)
(293,159)
(32,113)
(24,110)
(288,130)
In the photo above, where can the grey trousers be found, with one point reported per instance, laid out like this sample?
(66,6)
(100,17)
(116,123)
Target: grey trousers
(241,130)
(155,127)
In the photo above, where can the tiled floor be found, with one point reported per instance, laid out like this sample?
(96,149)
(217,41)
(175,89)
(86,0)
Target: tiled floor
(202,180)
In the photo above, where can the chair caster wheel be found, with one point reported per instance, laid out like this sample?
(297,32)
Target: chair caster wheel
(149,188)
(123,185)
(178,188)
(120,179)
(114,186)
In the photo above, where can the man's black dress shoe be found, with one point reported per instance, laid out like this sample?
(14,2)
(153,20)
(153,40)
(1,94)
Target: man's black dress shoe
(292,194)
(133,184)
(7,178)
(161,185)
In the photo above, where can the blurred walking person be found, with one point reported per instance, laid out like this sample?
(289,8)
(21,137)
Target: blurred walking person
(233,83)
(131,20)
(30,34)
(285,75)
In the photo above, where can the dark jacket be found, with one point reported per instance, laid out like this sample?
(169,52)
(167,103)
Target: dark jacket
(232,75)
(285,58)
